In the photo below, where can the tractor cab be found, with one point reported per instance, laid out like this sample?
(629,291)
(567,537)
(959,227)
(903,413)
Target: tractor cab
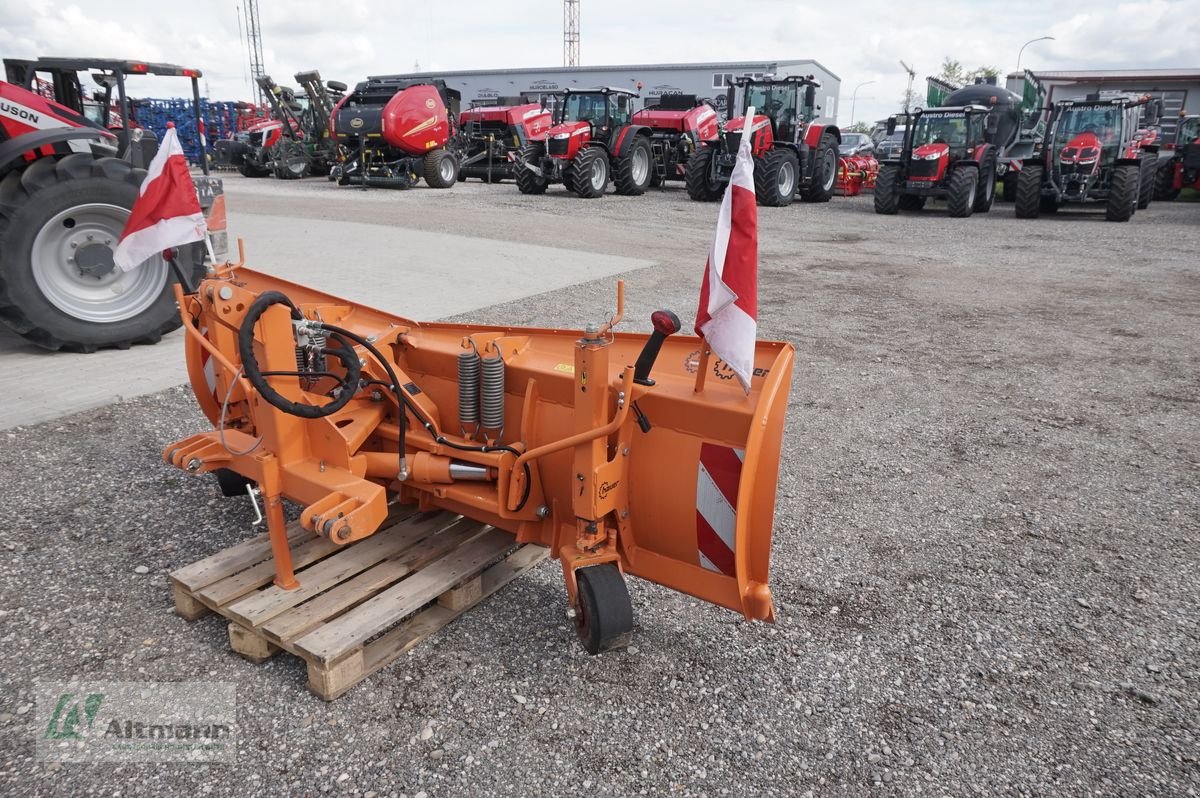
(586,116)
(61,80)
(780,100)
(942,136)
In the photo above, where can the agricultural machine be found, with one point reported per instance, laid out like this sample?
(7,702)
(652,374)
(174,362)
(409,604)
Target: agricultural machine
(794,152)
(625,454)
(1093,153)
(857,166)
(294,142)
(491,137)
(679,124)
(1181,169)
(67,183)
(396,131)
(947,154)
(593,140)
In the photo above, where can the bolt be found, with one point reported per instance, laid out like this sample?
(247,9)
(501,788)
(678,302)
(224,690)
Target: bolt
(543,511)
(625,452)
(70,260)
(343,534)
(108,241)
(571,613)
(74,245)
(371,339)
(225,293)
(321,466)
(194,464)
(91,237)
(579,477)
(592,330)
(625,513)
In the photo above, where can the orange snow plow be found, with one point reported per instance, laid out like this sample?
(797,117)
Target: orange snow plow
(623,453)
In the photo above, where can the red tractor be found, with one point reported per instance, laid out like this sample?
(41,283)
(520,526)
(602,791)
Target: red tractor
(794,152)
(593,139)
(1182,168)
(679,125)
(1093,152)
(948,154)
(493,134)
(67,183)
(396,131)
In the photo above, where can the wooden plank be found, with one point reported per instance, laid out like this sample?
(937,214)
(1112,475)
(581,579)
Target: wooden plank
(333,639)
(462,596)
(331,682)
(228,562)
(295,622)
(253,647)
(259,607)
(187,607)
(232,587)
(381,652)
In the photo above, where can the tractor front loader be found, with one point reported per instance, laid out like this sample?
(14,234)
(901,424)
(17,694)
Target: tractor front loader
(625,454)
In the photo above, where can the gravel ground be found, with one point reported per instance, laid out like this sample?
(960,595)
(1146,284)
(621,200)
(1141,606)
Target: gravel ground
(985,557)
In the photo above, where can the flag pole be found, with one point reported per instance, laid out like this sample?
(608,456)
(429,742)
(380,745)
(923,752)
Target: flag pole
(702,368)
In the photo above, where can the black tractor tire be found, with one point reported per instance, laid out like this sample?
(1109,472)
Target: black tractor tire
(887,190)
(985,192)
(961,191)
(633,171)
(776,177)
(30,200)
(1164,182)
(824,171)
(1008,186)
(697,176)
(291,160)
(441,168)
(1147,171)
(530,182)
(604,611)
(247,169)
(1049,205)
(1123,193)
(1028,200)
(231,483)
(911,202)
(588,166)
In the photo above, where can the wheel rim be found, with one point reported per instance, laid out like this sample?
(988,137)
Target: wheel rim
(991,184)
(830,170)
(641,165)
(971,195)
(599,174)
(787,179)
(446,169)
(72,265)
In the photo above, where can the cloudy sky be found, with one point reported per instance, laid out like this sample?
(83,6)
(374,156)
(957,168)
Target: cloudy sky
(859,40)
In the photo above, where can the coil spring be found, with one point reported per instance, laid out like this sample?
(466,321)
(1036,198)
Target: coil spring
(468,388)
(311,357)
(492,392)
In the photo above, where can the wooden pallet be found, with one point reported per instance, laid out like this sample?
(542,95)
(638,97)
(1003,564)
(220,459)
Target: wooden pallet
(358,607)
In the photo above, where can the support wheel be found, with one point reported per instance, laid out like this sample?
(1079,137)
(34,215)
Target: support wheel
(697,175)
(1028,199)
(604,615)
(441,168)
(530,182)
(887,197)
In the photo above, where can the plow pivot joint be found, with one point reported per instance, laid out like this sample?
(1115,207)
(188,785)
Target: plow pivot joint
(665,323)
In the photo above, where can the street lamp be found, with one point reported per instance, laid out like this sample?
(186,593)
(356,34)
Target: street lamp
(854,98)
(1026,44)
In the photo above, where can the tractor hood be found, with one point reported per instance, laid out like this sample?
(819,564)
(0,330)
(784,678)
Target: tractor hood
(931,152)
(736,124)
(569,130)
(1084,149)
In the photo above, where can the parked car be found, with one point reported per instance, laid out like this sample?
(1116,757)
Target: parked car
(855,144)
(891,146)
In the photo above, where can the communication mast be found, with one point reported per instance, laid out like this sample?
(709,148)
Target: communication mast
(570,32)
(254,47)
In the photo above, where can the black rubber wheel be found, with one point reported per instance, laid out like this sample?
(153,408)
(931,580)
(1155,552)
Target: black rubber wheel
(824,172)
(697,176)
(1164,182)
(633,171)
(604,615)
(1028,200)
(37,221)
(588,176)
(911,202)
(529,182)
(1048,205)
(1008,186)
(887,195)
(985,194)
(1147,170)
(232,483)
(961,191)
(1123,193)
(441,168)
(290,160)
(248,169)
(776,176)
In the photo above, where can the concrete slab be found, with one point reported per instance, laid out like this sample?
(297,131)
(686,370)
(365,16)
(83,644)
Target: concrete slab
(419,274)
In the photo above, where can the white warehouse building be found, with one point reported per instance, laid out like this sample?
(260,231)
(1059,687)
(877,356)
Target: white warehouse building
(705,80)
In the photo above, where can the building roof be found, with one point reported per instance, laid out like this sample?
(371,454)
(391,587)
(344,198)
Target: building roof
(1101,75)
(717,66)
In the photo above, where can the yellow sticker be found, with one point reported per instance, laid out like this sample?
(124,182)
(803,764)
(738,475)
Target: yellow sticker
(566,367)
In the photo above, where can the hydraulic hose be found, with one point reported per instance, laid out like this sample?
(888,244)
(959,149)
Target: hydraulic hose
(344,353)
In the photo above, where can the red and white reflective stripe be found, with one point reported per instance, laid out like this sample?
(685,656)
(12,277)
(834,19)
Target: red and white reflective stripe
(717,476)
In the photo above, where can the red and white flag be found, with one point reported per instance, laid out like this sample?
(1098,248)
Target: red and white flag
(166,213)
(728,315)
